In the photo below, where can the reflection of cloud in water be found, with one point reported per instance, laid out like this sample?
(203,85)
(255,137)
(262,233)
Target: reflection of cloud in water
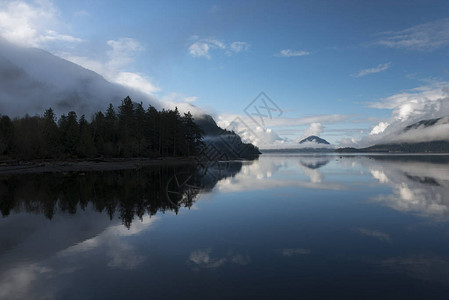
(203,259)
(379,175)
(418,186)
(272,172)
(121,254)
(18,283)
(315,175)
(430,268)
(294,251)
(373,233)
(48,261)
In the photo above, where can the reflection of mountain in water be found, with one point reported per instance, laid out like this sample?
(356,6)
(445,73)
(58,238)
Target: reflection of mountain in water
(310,165)
(127,193)
(420,183)
(314,162)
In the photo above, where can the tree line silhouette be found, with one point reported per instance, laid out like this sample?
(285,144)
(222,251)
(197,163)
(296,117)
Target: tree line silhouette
(128,131)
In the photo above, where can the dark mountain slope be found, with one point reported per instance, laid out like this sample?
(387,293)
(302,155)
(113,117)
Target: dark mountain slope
(314,139)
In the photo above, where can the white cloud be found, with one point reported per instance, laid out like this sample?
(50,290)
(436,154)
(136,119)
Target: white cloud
(136,81)
(239,46)
(202,47)
(314,129)
(190,99)
(347,142)
(379,68)
(326,119)
(199,49)
(55,36)
(86,62)
(183,103)
(31,24)
(292,53)
(429,101)
(282,122)
(122,52)
(427,36)
(82,13)
(379,128)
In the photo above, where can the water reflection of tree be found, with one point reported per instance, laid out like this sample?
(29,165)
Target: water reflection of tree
(127,193)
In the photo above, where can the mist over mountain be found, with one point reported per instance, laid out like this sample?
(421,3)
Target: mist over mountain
(223,144)
(311,143)
(419,115)
(32,80)
(424,136)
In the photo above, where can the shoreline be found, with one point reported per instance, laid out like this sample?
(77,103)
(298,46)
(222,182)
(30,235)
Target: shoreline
(93,165)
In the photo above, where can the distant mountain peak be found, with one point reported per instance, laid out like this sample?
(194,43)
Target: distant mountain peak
(314,139)
(427,123)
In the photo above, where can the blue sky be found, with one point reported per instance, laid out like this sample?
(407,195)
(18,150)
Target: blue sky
(335,68)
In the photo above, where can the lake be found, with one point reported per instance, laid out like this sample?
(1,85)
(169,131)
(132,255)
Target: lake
(281,227)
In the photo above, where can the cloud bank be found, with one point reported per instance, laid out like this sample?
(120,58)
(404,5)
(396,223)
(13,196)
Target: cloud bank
(409,107)
(33,80)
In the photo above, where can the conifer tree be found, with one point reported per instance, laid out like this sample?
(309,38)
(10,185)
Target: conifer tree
(111,132)
(6,135)
(98,126)
(71,134)
(50,133)
(86,147)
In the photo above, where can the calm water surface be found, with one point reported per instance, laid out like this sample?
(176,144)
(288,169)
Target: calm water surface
(281,227)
